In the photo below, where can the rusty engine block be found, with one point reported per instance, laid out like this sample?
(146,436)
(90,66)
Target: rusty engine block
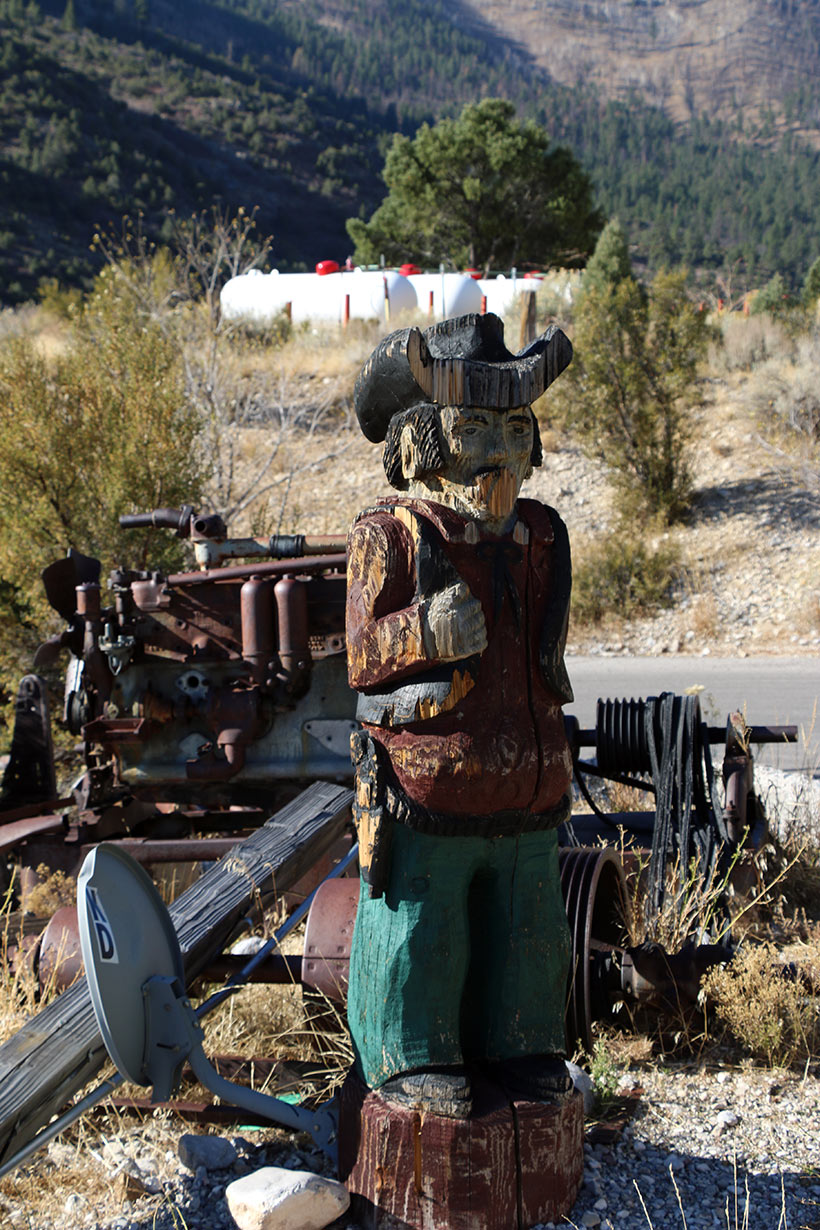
(203,699)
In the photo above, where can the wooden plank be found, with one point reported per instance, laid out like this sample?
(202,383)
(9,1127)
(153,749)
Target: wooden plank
(59,1050)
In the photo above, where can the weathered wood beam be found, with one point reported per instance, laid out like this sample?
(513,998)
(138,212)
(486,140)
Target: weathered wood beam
(60,1049)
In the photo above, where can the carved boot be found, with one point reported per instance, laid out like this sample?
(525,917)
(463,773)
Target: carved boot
(442,1091)
(536,1078)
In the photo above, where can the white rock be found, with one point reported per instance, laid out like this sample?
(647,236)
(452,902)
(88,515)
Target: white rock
(590,1219)
(583,1083)
(726,1119)
(248,945)
(277,1199)
(205,1152)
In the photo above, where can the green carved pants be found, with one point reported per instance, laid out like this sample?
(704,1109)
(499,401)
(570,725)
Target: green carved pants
(465,957)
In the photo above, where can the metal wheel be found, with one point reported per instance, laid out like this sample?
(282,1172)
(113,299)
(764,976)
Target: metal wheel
(593,884)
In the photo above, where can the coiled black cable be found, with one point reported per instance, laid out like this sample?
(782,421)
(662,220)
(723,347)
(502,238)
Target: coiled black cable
(665,737)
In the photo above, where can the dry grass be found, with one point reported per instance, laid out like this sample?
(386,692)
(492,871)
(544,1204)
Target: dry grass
(20,993)
(747,341)
(53,890)
(766,1006)
(703,618)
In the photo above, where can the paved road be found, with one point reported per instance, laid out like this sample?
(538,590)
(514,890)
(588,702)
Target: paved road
(771,691)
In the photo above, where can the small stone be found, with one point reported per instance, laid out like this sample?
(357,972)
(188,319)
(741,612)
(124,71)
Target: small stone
(205,1153)
(723,1077)
(583,1083)
(601,1205)
(590,1219)
(74,1204)
(726,1119)
(248,945)
(277,1199)
(131,1185)
(674,1162)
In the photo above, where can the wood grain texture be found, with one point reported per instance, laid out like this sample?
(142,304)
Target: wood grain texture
(60,1049)
(509,1166)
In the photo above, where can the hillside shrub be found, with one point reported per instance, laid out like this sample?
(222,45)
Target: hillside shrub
(773,298)
(811,285)
(102,429)
(622,575)
(768,1013)
(633,384)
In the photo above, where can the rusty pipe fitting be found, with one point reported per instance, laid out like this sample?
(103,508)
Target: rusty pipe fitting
(292,618)
(256,610)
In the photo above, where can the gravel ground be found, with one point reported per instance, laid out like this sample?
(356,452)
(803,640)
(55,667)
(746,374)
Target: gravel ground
(703,1148)
(707,1149)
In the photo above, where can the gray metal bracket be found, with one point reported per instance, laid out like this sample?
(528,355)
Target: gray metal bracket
(173,1035)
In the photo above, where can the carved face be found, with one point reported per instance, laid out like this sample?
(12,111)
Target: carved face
(487,456)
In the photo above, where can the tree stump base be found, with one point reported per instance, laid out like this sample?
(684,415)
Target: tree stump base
(511,1165)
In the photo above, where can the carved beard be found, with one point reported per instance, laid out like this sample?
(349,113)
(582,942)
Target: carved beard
(490,496)
(496,492)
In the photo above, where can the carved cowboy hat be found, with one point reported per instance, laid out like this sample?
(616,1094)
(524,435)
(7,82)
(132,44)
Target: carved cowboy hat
(459,362)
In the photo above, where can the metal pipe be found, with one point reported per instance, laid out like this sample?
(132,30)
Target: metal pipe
(292,620)
(279,969)
(276,568)
(588,736)
(256,609)
(173,850)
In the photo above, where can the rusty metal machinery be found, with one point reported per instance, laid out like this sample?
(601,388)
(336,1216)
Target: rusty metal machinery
(202,698)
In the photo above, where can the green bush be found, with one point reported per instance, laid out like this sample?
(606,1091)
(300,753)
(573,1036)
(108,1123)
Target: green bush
(622,575)
(773,298)
(811,285)
(103,429)
(633,382)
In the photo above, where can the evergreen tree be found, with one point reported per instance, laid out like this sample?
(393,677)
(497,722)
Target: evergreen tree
(483,190)
(811,284)
(633,381)
(610,262)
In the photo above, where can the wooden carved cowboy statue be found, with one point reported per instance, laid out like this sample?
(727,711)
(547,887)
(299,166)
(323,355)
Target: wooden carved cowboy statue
(458,596)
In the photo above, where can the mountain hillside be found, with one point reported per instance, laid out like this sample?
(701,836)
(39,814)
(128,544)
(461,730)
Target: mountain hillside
(104,116)
(697,121)
(754,60)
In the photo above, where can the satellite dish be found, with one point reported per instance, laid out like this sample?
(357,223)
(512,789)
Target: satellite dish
(126,937)
(136,981)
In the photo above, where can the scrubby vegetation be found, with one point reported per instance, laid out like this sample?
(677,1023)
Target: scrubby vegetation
(634,382)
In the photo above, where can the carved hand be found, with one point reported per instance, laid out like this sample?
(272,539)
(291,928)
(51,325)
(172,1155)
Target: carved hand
(453,624)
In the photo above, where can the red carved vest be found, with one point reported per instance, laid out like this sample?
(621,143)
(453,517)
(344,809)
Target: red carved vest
(486,734)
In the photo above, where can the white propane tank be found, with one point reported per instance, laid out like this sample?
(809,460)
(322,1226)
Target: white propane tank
(317,297)
(501,292)
(454,294)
